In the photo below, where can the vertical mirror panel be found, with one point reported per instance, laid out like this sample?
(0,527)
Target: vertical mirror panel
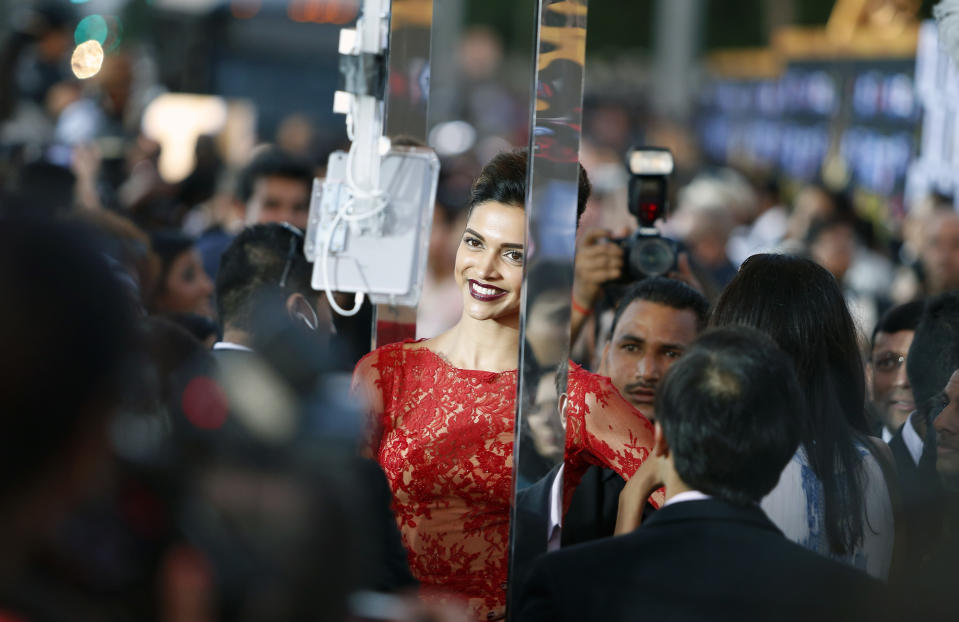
(407,99)
(552,193)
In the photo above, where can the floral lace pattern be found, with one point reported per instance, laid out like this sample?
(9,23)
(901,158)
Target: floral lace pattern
(444,437)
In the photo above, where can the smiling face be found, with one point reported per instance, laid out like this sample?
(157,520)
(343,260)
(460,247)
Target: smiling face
(489,262)
(187,288)
(890,390)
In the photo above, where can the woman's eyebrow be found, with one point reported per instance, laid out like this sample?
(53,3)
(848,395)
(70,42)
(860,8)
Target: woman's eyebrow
(482,239)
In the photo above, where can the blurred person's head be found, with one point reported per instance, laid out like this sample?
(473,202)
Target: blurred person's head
(128,245)
(915,221)
(62,371)
(832,244)
(743,203)
(655,320)
(729,413)
(707,236)
(811,203)
(182,285)
(768,193)
(800,305)
(481,53)
(44,29)
(51,25)
(940,251)
(888,383)
(296,135)
(265,265)
(275,187)
(708,209)
(934,352)
(946,424)
(547,314)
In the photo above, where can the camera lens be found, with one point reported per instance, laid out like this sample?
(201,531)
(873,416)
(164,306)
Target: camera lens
(652,256)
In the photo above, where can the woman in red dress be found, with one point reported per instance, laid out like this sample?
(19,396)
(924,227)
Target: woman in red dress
(443,410)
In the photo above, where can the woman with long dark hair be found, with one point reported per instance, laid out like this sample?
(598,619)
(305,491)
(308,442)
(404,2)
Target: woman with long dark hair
(832,497)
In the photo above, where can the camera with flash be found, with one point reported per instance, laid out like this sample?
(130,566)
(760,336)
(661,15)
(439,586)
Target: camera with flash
(647,252)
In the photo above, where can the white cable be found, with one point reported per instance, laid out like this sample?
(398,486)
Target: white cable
(349,125)
(351,182)
(359,297)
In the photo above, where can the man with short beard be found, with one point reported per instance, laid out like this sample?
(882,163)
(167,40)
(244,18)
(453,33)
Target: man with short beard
(655,320)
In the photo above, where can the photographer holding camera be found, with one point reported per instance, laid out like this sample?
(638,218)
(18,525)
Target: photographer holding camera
(606,264)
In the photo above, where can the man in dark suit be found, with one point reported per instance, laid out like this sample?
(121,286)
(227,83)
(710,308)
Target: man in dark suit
(275,362)
(728,416)
(933,356)
(925,448)
(655,320)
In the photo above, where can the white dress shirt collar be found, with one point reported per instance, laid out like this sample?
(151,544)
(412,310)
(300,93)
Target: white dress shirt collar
(229,345)
(689,495)
(911,438)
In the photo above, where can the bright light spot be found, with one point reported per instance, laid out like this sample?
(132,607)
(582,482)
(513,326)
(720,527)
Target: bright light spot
(175,120)
(78,1)
(91,27)
(452,138)
(87,59)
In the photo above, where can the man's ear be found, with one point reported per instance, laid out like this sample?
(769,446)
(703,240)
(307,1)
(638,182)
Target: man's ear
(660,444)
(299,310)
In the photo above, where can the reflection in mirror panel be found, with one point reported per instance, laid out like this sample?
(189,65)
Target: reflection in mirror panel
(552,192)
(407,97)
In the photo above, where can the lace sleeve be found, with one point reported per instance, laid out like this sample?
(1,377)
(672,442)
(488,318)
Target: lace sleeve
(368,387)
(602,427)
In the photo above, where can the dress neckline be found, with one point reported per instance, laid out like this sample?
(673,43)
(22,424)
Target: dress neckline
(445,363)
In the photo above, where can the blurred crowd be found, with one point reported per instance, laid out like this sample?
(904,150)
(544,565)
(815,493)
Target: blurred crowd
(141,311)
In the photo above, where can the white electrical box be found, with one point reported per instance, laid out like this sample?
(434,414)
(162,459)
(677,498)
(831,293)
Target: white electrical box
(377,246)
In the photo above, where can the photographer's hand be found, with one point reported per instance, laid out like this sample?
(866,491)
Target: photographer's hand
(597,260)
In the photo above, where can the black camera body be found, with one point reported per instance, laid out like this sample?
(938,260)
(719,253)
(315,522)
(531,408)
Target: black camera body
(647,252)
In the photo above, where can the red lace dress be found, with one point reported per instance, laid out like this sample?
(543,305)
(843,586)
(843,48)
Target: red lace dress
(444,437)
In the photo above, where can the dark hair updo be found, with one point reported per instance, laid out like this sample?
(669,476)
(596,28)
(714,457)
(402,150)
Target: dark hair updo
(503,180)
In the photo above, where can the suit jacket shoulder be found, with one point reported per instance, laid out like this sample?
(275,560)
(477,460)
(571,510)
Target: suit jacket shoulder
(696,560)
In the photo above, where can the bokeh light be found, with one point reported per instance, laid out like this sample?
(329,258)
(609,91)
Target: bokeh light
(323,11)
(91,27)
(452,138)
(114,34)
(175,120)
(245,9)
(87,59)
(204,403)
